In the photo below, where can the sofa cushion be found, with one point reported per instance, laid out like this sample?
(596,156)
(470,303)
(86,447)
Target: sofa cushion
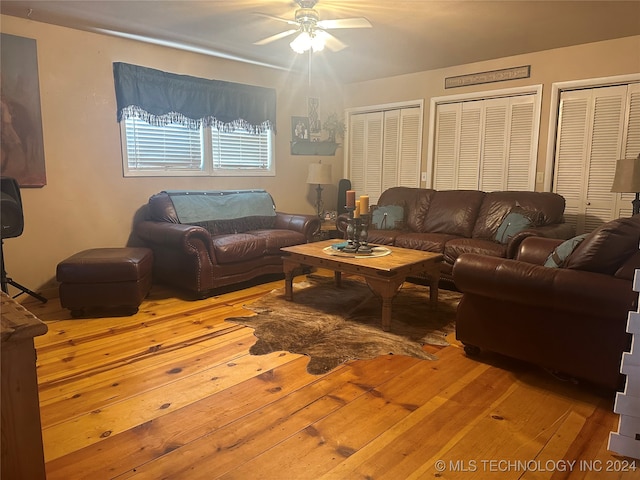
(238,247)
(456,247)
(428,242)
(557,258)
(383,237)
(277,238)
(514,222)
(388,217)
(237,225)
(545,207)
(453,212)
(607,247)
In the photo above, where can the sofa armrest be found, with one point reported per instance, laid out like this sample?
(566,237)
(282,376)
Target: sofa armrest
(175,236)
(562,231)
(561,289)
(537,249)
(308,225)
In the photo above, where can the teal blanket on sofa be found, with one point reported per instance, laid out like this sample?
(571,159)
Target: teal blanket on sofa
(197,207)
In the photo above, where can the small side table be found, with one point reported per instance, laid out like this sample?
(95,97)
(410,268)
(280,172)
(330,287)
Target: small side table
(22,451)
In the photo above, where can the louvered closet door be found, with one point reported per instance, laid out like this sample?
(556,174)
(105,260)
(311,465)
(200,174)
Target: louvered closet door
(365,147)
(391,149)
(494,149)
(471,131)
(447,146)
(589,142)
(486,144)
(630,146)
(522,144)
(410,147)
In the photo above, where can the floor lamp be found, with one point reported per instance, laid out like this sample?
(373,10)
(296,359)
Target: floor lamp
(319,175)
(627,180)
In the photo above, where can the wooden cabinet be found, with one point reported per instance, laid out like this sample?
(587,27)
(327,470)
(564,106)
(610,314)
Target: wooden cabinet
(22,452)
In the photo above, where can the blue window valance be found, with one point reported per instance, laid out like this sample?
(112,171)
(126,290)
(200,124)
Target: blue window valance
(162,98)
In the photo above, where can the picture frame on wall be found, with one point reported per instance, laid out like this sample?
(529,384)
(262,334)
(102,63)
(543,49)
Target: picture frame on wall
(300,131)
(22,140)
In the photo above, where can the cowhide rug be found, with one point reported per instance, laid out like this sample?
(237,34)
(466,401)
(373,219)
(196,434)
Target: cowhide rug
(335,325)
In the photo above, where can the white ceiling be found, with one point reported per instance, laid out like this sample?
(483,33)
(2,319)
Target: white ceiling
(407,36)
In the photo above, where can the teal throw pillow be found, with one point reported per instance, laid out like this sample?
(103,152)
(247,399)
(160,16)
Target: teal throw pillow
(513,223)
(562,251)
(388,217)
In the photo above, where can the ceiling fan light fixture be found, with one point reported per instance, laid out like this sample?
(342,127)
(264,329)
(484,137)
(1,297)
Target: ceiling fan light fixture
(306,41)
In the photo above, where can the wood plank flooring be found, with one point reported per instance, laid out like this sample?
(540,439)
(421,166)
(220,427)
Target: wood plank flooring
(173,393)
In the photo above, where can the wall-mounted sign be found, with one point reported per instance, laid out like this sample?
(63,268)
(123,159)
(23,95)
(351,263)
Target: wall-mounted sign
(488,77)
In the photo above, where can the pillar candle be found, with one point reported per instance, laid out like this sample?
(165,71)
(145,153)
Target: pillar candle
(364,204)
(356,211)
(351,198)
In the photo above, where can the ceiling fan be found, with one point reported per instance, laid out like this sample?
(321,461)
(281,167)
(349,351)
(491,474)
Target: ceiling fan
(311,31)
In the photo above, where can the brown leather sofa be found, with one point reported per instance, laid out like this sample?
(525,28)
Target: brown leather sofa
(453,222)
(571,319)
(205,240)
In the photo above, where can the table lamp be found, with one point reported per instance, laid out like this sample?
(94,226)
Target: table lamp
(627,179)
(319,175)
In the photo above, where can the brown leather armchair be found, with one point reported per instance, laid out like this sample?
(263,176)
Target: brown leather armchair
(570,319)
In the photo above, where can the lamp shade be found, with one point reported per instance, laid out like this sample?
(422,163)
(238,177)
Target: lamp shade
(627,179)
(319,174)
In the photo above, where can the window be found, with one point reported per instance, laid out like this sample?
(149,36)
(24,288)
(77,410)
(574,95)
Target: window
(175,150)
(179,125)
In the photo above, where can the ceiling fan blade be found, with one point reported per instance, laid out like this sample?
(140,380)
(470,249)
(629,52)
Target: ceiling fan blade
(279,19)
(332,43)
(357,22)
(275,37)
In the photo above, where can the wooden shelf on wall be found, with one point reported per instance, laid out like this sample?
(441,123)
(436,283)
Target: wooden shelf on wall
(314,148)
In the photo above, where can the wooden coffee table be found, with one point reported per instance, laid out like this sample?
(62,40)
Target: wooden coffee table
(384,274)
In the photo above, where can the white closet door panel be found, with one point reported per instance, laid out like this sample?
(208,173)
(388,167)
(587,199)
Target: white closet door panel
(605,150)
(596,127)
(521,153)
(571,151)
(494,152)
(357,142)
(631,145)
(391,149)
(446,146)
(468,168)
(410,147)
(373,153)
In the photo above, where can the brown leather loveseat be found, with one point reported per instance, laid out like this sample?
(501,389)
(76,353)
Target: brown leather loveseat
(569,316)
(202,240)
(453,222)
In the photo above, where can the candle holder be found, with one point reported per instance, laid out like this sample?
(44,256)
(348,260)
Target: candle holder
(357,232)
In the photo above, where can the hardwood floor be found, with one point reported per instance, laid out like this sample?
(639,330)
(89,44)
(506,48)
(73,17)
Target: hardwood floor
(172,392)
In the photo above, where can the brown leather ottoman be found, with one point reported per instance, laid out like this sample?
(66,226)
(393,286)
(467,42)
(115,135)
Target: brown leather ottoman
(113,278)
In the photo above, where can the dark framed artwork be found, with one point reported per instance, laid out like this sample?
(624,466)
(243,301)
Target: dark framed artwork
(300,129)
(21,145)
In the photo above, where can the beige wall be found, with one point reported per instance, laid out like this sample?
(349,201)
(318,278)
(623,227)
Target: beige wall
(594,60)
(87,202)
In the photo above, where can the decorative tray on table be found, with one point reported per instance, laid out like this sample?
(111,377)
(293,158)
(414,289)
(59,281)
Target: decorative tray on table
(337,250)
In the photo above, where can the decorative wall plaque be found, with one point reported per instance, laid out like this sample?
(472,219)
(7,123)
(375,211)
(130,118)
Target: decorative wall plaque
(488,77)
